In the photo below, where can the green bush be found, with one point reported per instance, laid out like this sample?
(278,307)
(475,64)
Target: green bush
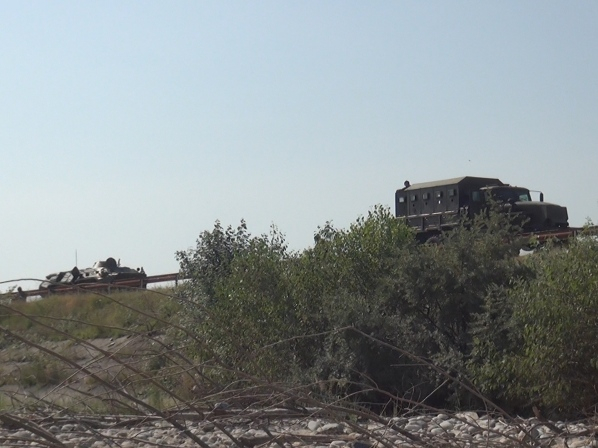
(547,355)
(437,293)
(254,303)
(354,312)
(41,372)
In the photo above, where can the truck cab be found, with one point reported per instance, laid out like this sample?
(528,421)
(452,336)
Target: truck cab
(533,215)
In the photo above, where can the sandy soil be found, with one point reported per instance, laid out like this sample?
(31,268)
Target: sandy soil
(72,371)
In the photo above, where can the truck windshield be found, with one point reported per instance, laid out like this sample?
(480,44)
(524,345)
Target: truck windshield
(511,194)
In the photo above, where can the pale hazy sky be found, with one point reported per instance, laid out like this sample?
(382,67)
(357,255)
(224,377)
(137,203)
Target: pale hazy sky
(129,127)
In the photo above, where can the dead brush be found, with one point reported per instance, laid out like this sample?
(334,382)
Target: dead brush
(145,377)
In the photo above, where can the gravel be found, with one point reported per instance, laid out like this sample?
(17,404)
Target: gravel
(254,429)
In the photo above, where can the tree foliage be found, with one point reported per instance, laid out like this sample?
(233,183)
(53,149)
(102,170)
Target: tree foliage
(548,349)
(469,305)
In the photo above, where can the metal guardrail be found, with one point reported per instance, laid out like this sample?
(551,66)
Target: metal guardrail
(101,286)
(562,234)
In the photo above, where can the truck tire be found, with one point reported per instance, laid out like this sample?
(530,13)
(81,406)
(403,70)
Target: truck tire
(435,240)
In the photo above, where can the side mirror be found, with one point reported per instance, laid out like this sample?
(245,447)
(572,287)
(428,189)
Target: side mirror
(541,197)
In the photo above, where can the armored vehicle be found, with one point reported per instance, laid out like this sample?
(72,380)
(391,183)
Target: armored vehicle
(431,207)
(105,271)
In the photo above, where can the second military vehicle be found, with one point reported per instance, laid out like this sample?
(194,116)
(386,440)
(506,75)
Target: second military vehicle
(105,271)
(432,207)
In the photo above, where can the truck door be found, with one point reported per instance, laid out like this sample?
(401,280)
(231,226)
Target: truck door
(427,201)
(439,200)
(477,199)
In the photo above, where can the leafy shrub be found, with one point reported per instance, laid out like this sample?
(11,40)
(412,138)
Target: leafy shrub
(42,372)
(353,312)
(548,357)
(429,304)
(255,302)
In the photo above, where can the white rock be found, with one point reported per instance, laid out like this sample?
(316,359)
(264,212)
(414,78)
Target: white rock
(437,431)
(417,421)
(580,442)
(468,416)
(400,421)
(313,425)
(413,427)
(331,428)
(446,425)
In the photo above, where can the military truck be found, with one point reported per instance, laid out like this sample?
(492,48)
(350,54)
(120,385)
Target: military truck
(432,207)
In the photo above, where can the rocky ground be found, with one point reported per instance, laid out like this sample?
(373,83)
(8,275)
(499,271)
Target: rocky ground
(29,420)
(284,428)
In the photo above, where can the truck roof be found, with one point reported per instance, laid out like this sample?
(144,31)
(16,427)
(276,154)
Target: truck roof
(453,181)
